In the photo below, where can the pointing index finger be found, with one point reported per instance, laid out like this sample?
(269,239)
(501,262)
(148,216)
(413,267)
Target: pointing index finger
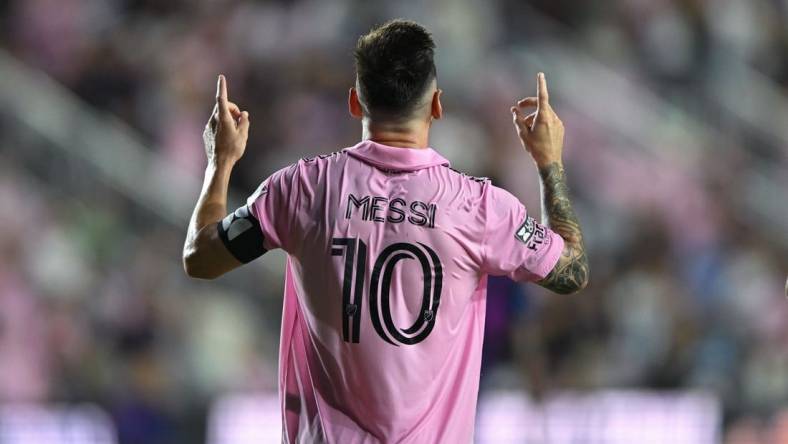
(221,88)
(221,96)
(541,91)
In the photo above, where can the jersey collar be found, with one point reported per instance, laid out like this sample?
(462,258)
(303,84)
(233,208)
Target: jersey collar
(395,158)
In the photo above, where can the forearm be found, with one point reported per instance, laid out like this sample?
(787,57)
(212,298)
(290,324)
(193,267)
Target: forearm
(212,205)
(557,211)
(210,209)
(571,272)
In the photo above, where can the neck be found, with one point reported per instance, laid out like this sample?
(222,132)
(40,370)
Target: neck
(401,134)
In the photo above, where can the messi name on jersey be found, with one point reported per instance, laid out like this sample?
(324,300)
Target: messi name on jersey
(396,210)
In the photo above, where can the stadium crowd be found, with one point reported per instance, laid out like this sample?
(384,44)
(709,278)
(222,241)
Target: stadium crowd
(686,289)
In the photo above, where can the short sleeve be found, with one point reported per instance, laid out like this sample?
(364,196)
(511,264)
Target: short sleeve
(274,204)
(514,244)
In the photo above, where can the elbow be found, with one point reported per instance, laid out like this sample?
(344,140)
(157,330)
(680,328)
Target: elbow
(578,277)
(195,267)
(580,286)
(569,289)
(570,274)
(573,282)
(579,283)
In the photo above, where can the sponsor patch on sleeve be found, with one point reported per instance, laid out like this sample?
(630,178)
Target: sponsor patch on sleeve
(532,234)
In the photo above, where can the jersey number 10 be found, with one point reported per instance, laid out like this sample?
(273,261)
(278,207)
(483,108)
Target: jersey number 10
(355,253)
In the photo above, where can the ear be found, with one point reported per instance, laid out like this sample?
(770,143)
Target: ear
(437,108)
(353,104)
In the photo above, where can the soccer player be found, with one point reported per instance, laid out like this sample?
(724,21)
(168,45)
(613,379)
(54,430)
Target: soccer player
(389,250)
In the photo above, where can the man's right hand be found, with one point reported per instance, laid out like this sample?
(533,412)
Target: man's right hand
(227,130)
(541,132)
(542,135)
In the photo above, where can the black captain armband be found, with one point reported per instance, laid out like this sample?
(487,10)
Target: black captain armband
(241,234)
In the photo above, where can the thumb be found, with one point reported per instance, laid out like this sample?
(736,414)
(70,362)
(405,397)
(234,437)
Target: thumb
(517,116)
(529,120)
(243,124)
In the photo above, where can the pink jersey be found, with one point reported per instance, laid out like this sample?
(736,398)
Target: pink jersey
(388,254)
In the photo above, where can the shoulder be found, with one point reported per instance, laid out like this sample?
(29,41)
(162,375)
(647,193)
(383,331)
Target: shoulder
(306,167)
(489,194)
(461,175)
(321,159)
(313,170)
(304,172)
(468,184)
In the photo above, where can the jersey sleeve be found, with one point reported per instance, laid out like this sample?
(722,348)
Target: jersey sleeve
(265,222)
(514,244)
(274,205)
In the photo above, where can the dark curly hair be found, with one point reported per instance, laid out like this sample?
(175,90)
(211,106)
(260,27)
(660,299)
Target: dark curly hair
(394,64)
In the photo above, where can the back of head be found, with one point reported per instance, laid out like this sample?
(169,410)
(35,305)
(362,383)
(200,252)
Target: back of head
(395,67)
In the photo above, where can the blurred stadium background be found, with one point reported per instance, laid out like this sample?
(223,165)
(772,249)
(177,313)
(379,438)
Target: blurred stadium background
(677,152)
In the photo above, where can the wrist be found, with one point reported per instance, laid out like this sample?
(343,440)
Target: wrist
(221,164)
(543,164)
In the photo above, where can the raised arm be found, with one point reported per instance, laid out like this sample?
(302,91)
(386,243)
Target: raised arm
(205,255)
(542,135)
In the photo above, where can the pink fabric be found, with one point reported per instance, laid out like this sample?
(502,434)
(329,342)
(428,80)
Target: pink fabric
(357,366)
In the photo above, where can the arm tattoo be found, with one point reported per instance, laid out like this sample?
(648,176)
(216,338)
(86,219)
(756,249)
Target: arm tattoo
(571,272)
